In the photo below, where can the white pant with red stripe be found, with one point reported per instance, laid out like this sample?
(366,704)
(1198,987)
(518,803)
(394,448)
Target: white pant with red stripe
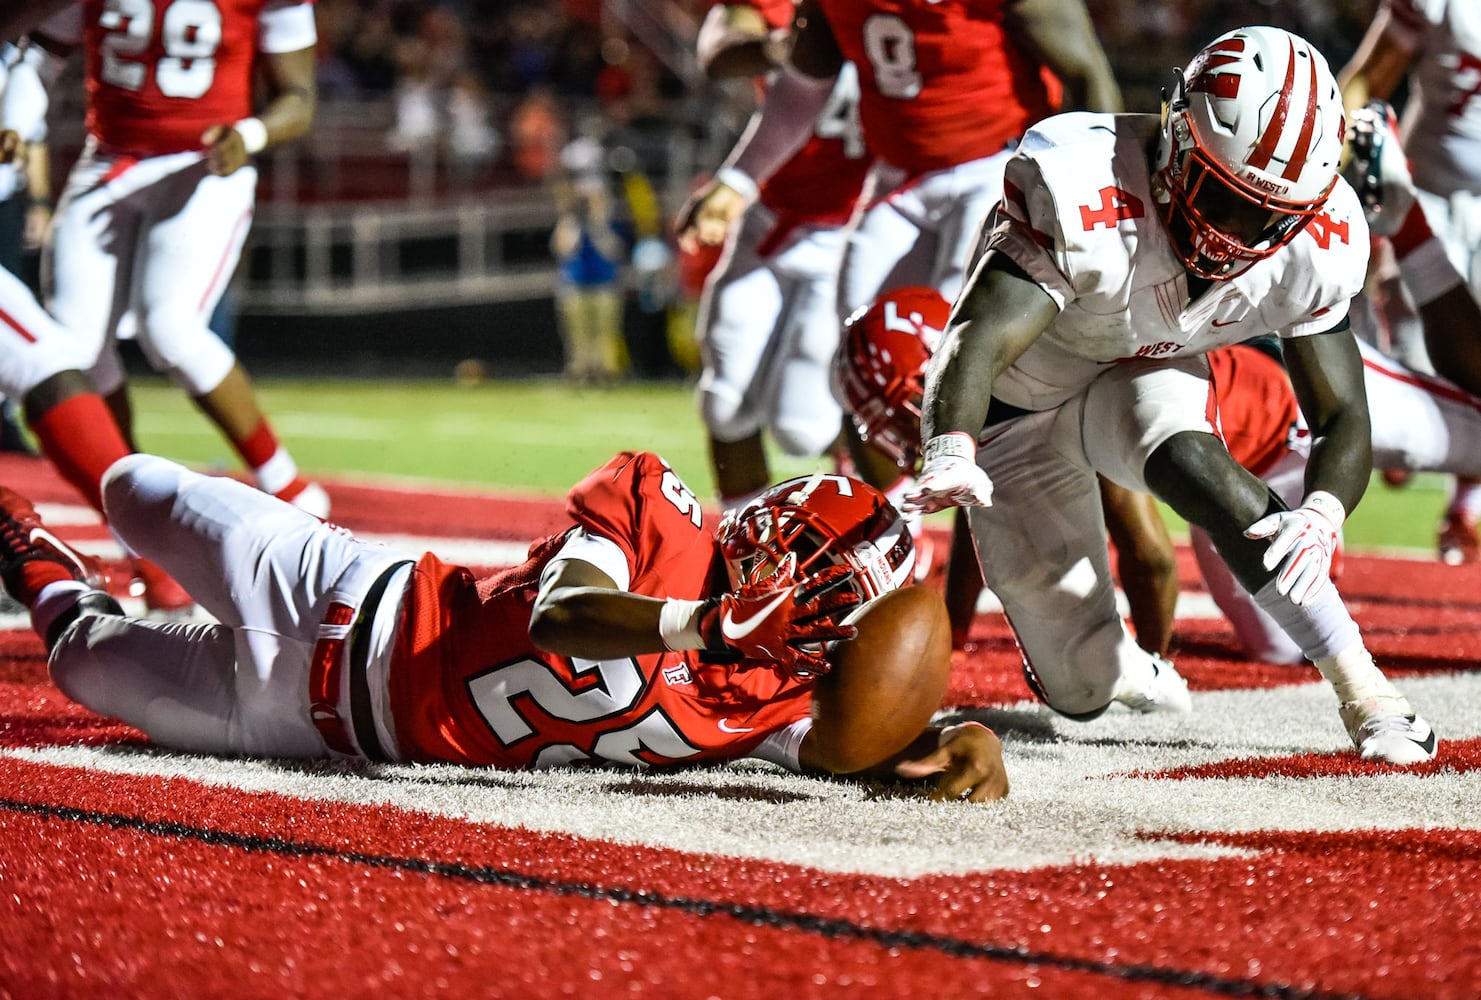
(1420,423)
(918,232)
(269,573)
(768,334)
(148,246)
(33,347)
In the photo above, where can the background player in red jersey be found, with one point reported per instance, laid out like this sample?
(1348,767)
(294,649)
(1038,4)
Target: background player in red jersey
(41,367)
(768,327)
(152,220)
(637,636)
(945,89)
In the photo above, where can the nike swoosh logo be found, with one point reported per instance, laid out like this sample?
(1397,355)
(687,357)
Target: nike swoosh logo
(732,629)
(1227,322)
(726,727)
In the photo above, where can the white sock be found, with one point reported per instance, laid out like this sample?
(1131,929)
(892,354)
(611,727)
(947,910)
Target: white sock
(277,472)
(1354,676)
(1322,626)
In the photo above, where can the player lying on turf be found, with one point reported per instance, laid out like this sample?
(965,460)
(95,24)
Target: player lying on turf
(638,636)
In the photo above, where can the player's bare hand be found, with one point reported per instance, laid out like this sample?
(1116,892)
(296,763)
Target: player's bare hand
(226,153)
(968,764)
(706,218)
(10,145)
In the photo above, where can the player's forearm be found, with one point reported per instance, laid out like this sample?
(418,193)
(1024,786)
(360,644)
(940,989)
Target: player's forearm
(289,112)
(998,315)
(596,623)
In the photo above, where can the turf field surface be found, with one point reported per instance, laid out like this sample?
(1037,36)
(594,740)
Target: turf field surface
(1241,851)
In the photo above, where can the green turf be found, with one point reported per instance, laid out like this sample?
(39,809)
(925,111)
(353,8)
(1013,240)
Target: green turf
(541,436)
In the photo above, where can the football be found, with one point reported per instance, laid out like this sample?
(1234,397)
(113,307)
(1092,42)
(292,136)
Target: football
(886,682)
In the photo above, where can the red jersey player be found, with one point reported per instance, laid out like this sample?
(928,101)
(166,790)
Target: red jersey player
(152,220)
(767,326)
(945,90)
(636,637)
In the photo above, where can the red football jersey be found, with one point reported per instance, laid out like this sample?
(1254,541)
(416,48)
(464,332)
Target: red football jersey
(467,685)
(940,83)
(1257,408)
(822,180)
(160,72)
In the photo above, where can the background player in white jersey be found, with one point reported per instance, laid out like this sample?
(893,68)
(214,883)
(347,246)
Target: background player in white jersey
(768,327)
(152,219)
(1124,250)
(1436,45)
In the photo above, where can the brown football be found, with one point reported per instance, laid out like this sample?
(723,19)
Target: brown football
(885,683)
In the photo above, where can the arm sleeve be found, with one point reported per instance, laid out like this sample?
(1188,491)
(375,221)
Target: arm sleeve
(603,553)
(286,26)
(782,125)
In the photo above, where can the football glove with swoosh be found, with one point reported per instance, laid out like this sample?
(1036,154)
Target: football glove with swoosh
(782,619)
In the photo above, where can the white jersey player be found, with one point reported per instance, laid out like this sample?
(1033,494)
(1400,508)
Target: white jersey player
(1125,248)
(1436,44)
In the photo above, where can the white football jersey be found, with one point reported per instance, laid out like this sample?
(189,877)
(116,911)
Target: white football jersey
(1442,122)
(1078,216)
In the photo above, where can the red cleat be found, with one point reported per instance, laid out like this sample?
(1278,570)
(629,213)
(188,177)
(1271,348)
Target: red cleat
(161,593)
(31,557)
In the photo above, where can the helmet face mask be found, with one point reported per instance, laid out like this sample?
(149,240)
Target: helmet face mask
(880,368)
(821,521)
(1250,143)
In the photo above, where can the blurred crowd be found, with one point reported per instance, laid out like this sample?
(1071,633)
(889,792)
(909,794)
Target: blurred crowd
(489,80)
(561,94)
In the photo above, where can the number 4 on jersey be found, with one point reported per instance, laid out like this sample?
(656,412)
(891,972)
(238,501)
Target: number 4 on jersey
(1115,204)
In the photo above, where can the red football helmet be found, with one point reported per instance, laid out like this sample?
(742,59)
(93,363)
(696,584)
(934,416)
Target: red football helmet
(1250,143)
(824,520)
(880,367)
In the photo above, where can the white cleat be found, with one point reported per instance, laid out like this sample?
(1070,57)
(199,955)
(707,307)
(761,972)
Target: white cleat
(1165,692)
(1386,729)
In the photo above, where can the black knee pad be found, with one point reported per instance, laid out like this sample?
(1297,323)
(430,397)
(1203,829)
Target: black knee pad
(91,602)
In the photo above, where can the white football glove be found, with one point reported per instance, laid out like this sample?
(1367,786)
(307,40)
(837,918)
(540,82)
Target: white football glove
(950,477)
(1378,169)
(1302,543)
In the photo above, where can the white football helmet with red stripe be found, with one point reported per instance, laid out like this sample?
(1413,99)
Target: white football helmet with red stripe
(880,367)
(823,520)
(1251,139)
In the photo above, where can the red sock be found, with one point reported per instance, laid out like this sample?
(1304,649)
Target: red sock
(258,447)
(82,440)
(34,577)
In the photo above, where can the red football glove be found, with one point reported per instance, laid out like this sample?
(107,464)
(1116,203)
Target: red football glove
(782,619)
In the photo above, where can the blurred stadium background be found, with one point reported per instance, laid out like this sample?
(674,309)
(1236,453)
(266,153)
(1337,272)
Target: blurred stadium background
(411,229)
(409,236)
